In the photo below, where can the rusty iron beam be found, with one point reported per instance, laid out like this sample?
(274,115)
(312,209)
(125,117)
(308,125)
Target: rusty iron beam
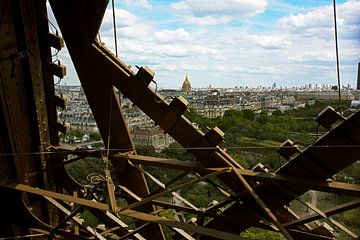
(132,194)
(25,111)
(122,224)
(178,126)
(59,196)
(174,206)
(134,231)
(177,178)
(313,184)
(163,186)
(331,211)
(79,27)
(300,234)
(149,175)
(67,235)
(316,184)
(181,186)
(322,214)
(325,152)
(263,206)
(220,216)
(187,227)
(127,212)
(184,234)
(111,189)
(109,183)
(77,220)
(327,186)
(157,162)
(202,146)
(70,216)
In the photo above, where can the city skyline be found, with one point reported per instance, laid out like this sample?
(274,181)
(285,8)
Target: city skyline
(235,42)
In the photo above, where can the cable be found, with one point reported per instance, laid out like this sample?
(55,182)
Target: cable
(337,52)
(109,130)
(317,133)
(114,24)
(51,24)
(155,94)
(55,54)
(175,148)
(24,236)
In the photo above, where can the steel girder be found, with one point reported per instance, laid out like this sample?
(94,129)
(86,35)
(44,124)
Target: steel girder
(28,111)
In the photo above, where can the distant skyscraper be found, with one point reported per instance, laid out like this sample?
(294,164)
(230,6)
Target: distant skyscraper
(358,78)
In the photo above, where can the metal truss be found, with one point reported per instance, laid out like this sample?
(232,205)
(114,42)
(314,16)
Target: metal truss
(32,163)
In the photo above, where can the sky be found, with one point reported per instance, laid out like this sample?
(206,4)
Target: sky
(234,42)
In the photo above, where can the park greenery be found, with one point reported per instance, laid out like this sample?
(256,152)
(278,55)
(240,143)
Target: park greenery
(250,138)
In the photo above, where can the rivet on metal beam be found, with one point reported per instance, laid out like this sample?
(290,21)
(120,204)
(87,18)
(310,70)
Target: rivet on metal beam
(328,117)
(288,149)
(63,128)
(215,136)
(145,74)
(57,69)
(60,101)
(56,41)
(179,104)
(259,167)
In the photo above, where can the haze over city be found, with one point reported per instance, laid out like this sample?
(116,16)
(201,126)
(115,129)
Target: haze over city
(234,42)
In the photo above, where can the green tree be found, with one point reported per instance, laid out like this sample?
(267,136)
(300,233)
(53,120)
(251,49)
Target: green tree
(259,234)
(146,150)
(95,136)
(352,218)
(276,113)
(176,151)
(249,114)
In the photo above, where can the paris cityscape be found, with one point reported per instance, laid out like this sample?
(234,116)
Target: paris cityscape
(208,102)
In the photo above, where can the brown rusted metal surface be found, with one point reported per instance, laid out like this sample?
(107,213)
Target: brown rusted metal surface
(31,177)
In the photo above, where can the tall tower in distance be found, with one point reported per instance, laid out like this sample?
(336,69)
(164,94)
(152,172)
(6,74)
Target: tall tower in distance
(186,87)
(358,78)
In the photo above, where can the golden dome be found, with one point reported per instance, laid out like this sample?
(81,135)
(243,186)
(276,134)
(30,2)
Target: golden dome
(186,87)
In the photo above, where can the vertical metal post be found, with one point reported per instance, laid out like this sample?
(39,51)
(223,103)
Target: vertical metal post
(114,23)
(337,54)
(358,78)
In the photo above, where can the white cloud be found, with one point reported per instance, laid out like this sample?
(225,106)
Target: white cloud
(133,47)
(228,55)
(270,42)
(228,7)
(214,12)
(295,58)
(320,17)
(136,31)
(127,26)
(207,20)
(176,50)
(178,35)
(319,21)
(139,3)
(123,18)
(182,5)
(254,69)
